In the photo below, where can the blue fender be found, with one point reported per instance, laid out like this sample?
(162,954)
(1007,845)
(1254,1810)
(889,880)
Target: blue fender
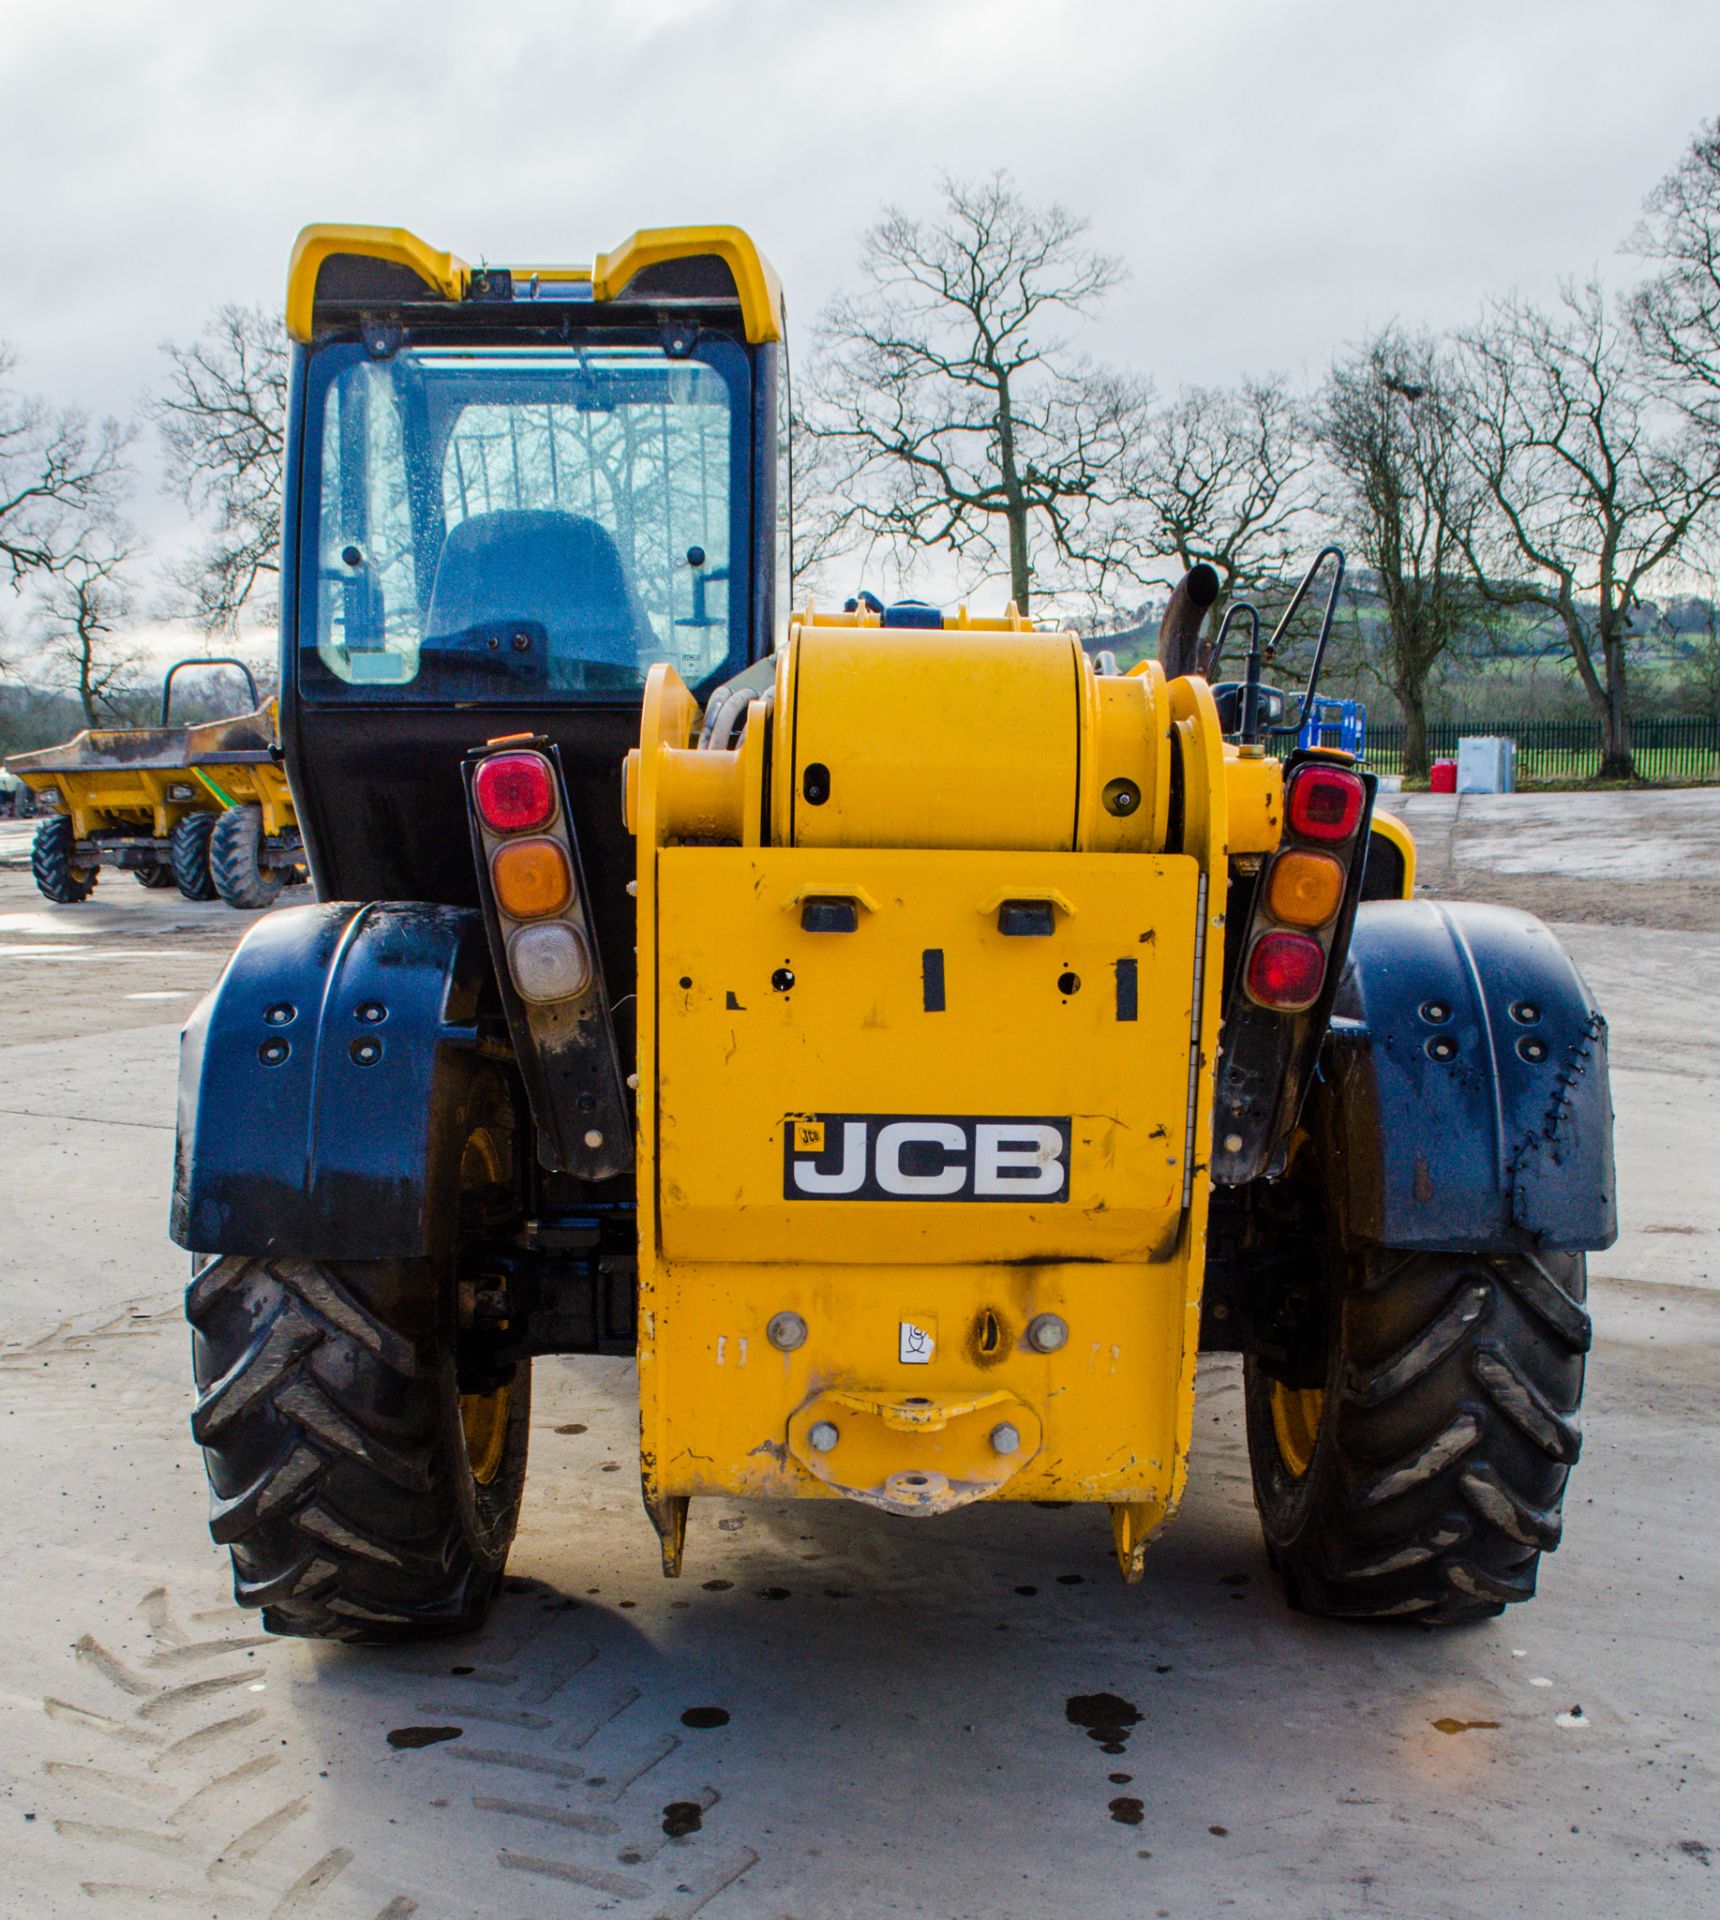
(320,1079)
(1467,1104)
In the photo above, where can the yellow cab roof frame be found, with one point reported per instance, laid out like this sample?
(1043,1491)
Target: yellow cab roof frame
(611,274)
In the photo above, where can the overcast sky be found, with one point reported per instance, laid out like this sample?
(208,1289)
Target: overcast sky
(1281,174)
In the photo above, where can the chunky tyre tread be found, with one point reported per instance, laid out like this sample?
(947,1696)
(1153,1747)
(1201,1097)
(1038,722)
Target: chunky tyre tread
(1450,1427)
(153,878)
(338,1478)
(236,860)
(188,848)
(51,864)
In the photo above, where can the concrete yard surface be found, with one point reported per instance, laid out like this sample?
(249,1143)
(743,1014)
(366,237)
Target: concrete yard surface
(834,1713)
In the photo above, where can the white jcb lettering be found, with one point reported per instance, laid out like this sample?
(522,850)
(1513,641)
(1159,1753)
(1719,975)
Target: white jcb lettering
(1016,1159)
(850,1174)
(950,1178)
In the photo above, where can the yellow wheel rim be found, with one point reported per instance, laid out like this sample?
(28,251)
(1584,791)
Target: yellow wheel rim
(1296,1416)
(484,1420)
(483,1416)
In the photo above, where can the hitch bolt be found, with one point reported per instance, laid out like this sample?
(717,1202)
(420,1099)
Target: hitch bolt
(1004,1439)
(1233,1143)
(1047,1332)
(366,1053)
(785,1331)
(281,1014)
(594,1139)
(823,1436)
(372,1012)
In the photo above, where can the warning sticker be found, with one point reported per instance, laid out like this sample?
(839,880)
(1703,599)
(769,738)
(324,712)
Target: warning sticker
(916,1342)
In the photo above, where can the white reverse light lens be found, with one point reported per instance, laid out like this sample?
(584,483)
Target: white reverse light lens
(549,962)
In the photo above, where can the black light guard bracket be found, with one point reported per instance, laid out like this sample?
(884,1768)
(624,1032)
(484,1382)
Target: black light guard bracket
(1268,1058)
(566,1048)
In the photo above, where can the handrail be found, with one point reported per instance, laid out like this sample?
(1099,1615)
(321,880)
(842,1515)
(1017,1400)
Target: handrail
(214,660)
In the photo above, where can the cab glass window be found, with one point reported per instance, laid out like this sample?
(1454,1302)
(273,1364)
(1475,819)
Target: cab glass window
(521,523)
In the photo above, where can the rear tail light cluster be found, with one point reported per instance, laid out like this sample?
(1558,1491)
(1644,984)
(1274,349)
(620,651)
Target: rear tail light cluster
(531,875)
(1304,888)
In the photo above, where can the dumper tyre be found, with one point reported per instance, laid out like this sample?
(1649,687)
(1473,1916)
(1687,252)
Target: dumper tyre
(362,1495)
(236,860)
(189,849)
(1425,1478)
(51,862)
(155,878)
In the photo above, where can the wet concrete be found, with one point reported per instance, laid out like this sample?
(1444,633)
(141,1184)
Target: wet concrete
(898,1738)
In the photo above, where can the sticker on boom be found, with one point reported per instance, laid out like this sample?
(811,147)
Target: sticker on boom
(886,1156)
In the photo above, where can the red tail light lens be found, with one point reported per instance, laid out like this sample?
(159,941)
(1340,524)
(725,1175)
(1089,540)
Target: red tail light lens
(1325,803)
(515,791)
(1285,971)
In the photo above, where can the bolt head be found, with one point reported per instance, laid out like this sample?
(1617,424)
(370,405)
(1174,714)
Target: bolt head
(1047,1332)
(823,1436)
(594,1139)
(785,1331)
(1004,1439)
(1233,1143)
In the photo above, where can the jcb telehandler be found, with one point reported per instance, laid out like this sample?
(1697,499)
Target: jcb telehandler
(962,1039)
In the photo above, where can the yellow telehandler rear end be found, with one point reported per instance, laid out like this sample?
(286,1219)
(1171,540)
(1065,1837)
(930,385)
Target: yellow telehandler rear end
(963,1040)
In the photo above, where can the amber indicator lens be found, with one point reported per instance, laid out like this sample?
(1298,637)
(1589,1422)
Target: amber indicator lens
(1285,971)
(1304,889)
(515,791)
(533,879)
(1325,803)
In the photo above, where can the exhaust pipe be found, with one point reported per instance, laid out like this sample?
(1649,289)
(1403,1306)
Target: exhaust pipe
(1179,630)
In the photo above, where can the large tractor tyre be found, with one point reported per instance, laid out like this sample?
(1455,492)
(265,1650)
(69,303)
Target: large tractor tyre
(236,860)
(155,878)
(51,852)
(189,848)
(1425,1477)
(362,1494)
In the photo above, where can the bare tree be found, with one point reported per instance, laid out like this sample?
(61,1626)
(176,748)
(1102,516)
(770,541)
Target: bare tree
(950,417)
(1590,490)
(1676,312)
(57,469)
(1221,478)
(79,626)
(1405,500)
(222,418)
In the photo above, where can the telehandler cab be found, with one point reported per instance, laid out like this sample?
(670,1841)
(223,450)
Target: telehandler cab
(963,1038)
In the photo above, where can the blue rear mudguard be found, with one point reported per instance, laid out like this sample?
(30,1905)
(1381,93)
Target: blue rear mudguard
(321,1079)
(1465,1102)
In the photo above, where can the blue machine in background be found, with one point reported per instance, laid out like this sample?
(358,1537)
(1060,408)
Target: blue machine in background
(1336,723)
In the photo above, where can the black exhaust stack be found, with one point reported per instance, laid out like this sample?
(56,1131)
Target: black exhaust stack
(1179,630)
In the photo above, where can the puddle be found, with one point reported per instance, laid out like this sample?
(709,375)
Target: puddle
(682,1817)
(1445,1724)
(1127,1811)
(422,1736)
(1106,1718)
(705,1717)
(42,923)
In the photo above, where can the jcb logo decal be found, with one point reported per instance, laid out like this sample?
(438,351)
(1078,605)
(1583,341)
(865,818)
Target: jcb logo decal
(877,1156)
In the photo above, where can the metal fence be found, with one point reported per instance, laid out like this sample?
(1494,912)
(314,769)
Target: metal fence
(1666,749)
